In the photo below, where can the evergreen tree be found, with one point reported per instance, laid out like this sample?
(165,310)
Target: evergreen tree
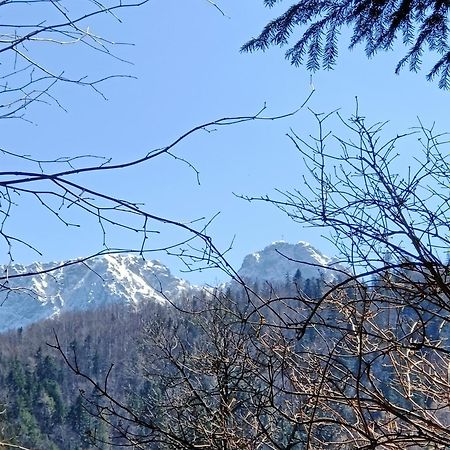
(298,281)
(308,289)
(80,421)
(376,24)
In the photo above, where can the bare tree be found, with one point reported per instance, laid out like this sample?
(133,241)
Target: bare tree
(61,186)
(381,372)
(211,377)
(362,366)
(59,194)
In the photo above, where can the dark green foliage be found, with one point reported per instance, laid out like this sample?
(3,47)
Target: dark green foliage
(297,278)
(422,24)
(39,395)
(80,421)
(46,406)
(33,402)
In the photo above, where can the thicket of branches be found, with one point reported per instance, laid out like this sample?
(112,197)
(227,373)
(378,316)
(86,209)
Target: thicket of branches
(364,365)
(28,75)
(61,186)
(384,370)
(422,26)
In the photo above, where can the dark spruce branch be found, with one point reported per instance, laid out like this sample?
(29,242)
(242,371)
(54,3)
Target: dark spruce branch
(421,24)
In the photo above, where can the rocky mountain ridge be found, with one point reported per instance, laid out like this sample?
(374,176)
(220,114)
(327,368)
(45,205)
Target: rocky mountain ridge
(131,280)
(281,260)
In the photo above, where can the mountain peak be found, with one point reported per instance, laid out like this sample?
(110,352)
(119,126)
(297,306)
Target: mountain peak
(106,279)
(281,259)
(129,279)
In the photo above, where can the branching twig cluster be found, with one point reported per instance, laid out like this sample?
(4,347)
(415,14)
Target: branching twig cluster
(362,365)
(28,27)
(60,194)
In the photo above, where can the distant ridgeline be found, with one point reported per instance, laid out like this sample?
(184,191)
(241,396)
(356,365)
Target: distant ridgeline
(117,313)
(131,280)
(100,311)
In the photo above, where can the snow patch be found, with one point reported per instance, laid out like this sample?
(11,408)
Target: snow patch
(280,260)
(107,279)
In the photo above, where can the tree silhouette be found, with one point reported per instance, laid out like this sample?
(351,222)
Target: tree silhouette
(422,25)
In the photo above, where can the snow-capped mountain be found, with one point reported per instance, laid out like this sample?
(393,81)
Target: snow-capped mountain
(281,259)
(129,279)
(107,279)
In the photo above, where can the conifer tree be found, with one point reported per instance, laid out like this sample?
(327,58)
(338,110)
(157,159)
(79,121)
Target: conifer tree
(422,25)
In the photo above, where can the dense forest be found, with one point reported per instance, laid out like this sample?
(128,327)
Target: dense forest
(47,406)
(265,366)
(43,400)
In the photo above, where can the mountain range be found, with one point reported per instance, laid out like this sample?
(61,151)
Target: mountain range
(131,280)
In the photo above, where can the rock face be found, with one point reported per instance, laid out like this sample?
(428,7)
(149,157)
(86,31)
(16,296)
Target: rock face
(129,279)
(108,279)
(281,259)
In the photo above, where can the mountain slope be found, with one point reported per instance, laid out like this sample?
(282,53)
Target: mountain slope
(129,279)
(281,259)
(108,279)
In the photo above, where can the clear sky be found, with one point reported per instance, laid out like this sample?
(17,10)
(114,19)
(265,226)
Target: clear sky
(189,70)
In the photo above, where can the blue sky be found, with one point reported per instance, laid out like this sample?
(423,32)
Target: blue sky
(189,70)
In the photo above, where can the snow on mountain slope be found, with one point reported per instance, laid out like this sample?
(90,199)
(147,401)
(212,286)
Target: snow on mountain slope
(108,279)
(128,279)
(281,259)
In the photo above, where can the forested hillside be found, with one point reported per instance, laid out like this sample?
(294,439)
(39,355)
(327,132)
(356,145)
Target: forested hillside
(266,366)
(48,406)
(42,399)
(298,351)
